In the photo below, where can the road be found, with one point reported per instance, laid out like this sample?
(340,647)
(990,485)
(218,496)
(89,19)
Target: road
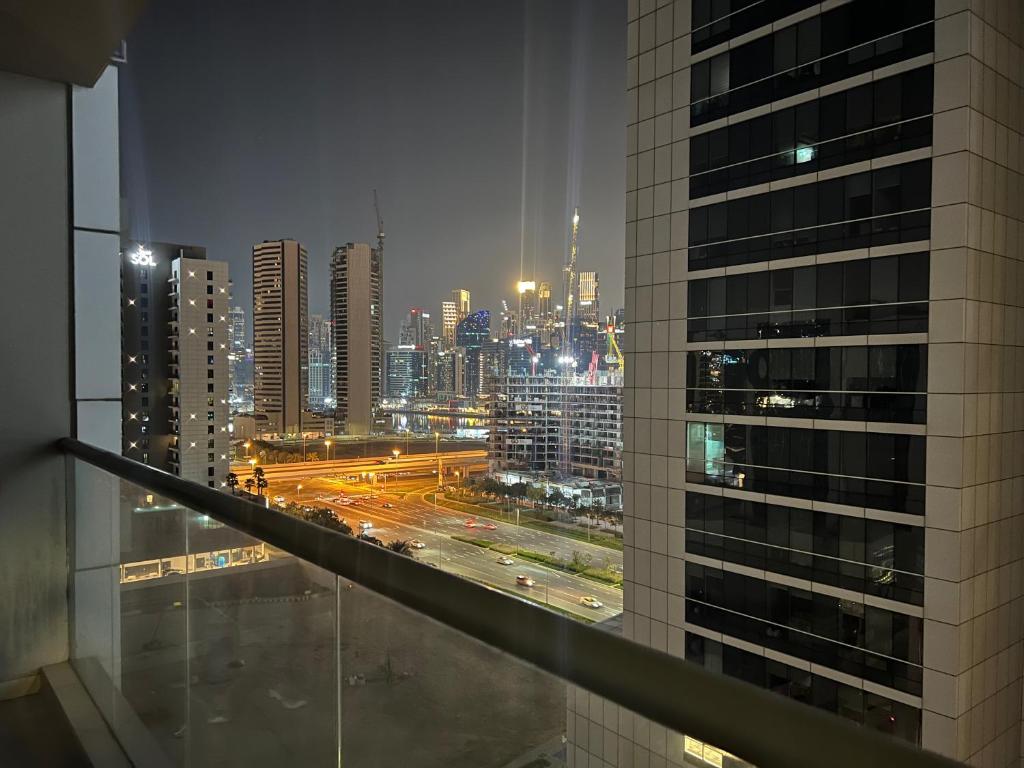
(474,460)
(413,518)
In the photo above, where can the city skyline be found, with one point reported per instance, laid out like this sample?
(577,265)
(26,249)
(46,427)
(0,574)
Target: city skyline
(548,134)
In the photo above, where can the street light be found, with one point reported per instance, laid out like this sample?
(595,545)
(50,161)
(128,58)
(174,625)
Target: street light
(247,445)
(298,491)
(437,456)
(328,444)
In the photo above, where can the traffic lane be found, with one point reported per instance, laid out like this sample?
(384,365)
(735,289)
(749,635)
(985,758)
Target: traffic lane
(561,589)
(506,532)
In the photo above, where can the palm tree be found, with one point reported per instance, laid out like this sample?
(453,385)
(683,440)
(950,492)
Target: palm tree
(261,479)
(400,546)
(249,484)
(232,481)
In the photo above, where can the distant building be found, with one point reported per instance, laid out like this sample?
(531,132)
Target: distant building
(588,304)
(240,363)
(357,306)
(406,372)
(321,364)
(449,319)
(547,423)
(280,334)
(175,378)
(471,334)
(460,297)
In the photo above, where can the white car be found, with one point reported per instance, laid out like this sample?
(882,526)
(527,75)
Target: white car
(279,499)
(417,544)
(591,602)
(506,560)
(524,581)
(365,525)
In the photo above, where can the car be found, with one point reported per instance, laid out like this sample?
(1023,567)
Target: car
(365,525)
(471,523)
(591,602)
(279,499)
(524,581)
(490,527)
(417,544)
(386,505)
(506,560)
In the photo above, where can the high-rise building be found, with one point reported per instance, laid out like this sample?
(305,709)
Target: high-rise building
(416,328)
(174,340)
(406,371)
(460,297)
(449,319)
(357,307)
(470,334)
(280,335)
(823,503)
(321,363)
(535,419)
(588,302)
(240,363)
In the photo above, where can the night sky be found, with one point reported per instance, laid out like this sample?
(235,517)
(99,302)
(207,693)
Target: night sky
(245,121)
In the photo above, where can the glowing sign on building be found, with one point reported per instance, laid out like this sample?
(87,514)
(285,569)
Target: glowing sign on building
(142,257)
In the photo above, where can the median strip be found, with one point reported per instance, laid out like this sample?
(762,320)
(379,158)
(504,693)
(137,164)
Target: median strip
(579,565)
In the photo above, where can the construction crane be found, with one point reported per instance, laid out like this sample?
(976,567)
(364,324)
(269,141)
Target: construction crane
(380,225)
(614,355)
(570,287)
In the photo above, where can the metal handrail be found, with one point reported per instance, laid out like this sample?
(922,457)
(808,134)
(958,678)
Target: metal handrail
(754,724)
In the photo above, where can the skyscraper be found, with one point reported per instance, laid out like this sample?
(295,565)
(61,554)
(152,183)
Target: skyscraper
(589,297)
(822,505)
(321,363)
(416,328)
(357,295)
(406,371)
(471,334)
(174,339)
(449,319)
(280,335)
(460,297)
(240,363)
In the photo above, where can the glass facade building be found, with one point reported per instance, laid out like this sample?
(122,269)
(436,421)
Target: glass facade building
(823,454)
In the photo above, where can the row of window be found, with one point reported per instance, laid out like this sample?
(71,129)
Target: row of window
(849,491)
(812,323)
(881,368)
(862,640)
(873,120)
(883,280)
(715,21)
(859,469)
(845,406)
(873,455)
(871,556)
(851,235)
(862,707)
(854,38)
(879,192)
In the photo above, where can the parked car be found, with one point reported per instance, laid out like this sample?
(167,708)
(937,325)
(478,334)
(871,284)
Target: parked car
(591,602)
(524,581)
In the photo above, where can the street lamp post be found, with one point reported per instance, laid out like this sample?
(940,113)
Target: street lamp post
(328,444)
(437,456)
(298,492)
(247,446)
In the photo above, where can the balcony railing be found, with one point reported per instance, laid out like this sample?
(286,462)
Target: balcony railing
(210,630)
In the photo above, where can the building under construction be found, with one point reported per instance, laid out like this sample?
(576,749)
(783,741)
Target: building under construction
(558,425)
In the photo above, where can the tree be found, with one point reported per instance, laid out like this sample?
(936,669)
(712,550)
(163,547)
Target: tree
(581,560)
(326,518)
(249,484)
(232,481)
(261,479)
(400,546)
